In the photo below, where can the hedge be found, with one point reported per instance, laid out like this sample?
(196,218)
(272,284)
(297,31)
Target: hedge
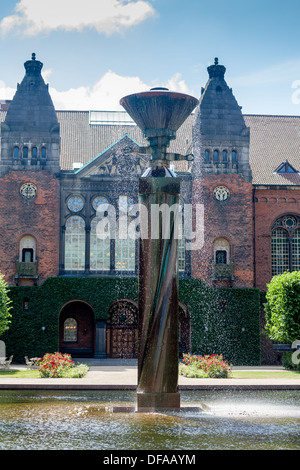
(217,315)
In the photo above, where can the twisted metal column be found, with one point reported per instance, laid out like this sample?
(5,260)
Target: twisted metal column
(158,299)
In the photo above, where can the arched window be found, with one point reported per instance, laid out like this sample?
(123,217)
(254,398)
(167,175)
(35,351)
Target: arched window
(234,156)
(221,251)
(207,155)
(225,156)
(25,153)
(27,249)
(16,152)
(285,245)
(34,153)
(75,244)
(44,153)
(216,156)
(70,330)
(99,248)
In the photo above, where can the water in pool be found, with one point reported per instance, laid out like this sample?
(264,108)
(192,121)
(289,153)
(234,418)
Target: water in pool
(70,420)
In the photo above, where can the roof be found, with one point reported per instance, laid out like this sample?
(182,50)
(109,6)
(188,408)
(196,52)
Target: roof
(273,141)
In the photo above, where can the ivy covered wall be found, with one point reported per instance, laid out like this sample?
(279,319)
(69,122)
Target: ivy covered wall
(223,320)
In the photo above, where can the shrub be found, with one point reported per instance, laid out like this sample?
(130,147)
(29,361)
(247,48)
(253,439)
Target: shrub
(282,307)
(212,366)
(288,363)
(60,365)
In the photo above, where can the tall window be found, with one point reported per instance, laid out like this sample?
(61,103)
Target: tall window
(224,155)
(285,245)
(181,239)
(216,156)
(207,155)
(233,156)
(44,153)
(25,153)
(100,248)
(75,244)
(34,153)
(124,243)
(16,152)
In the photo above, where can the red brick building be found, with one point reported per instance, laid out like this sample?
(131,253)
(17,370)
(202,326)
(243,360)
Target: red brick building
(58,167)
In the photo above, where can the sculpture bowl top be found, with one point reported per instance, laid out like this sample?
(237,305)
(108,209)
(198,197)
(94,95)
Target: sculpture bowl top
(159,108)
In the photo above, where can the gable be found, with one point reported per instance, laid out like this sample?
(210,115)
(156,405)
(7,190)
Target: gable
(123,158)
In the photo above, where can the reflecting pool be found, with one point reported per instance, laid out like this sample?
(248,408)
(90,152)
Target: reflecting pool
(72,420)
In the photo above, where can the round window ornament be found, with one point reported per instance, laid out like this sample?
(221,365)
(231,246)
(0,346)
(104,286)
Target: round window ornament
(221,193)
(100,202)
(289,222)
(75,203)
(28,191)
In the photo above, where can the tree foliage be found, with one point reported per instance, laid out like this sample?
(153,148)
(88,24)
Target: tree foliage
(282,308)
(4,306)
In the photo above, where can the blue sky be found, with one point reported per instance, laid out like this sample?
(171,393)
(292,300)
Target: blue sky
(96,51)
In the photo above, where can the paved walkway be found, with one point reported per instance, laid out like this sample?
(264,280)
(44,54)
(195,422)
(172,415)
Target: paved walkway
(114,374)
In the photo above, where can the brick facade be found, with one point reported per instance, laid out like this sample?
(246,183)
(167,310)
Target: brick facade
(38,218)
(269,205)
(231,219)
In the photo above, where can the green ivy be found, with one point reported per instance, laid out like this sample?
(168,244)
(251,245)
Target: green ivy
(217,315)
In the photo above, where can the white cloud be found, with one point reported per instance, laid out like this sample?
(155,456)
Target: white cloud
(104,95)
(107,92)
(105,16)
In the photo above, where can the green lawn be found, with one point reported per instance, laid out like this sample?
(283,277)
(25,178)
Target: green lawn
(265,374)
(239,374)
(20,374)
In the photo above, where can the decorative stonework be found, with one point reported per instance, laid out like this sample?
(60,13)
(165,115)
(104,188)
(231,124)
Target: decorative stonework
(75,203)
(123,162)
(221,193)
(28,191)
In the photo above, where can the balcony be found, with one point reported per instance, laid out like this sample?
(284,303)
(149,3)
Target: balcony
(222,272)
(26,270)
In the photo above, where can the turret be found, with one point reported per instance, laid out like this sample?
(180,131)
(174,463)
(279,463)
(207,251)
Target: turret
(30,132)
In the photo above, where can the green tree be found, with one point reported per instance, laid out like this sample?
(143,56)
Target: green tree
(282,308)
(4,306)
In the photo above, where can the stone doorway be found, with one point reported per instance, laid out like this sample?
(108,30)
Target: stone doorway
(76,329)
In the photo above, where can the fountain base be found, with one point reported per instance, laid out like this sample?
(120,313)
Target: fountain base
(152,402)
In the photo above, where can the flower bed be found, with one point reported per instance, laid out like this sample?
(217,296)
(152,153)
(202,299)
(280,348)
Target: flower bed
(61,366)
(212,366)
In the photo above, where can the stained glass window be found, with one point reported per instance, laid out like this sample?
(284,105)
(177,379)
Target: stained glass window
(75,244)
